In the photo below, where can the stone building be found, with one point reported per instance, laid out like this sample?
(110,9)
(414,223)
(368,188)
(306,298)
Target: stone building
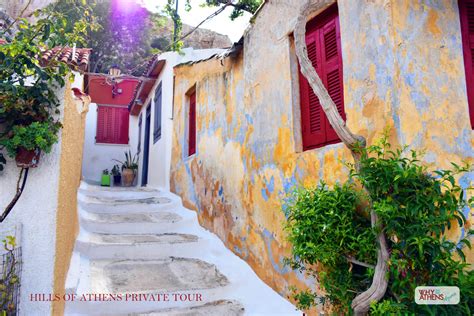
(247,128)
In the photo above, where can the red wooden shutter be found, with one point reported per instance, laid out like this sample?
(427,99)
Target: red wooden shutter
(100,131)
(466,12)
(112,125)
(122,115)
(312,114)
(192,124)
(324,51)
(331,55)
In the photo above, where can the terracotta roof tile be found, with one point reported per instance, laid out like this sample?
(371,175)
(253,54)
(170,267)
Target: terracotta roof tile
(2,41)
(79,59)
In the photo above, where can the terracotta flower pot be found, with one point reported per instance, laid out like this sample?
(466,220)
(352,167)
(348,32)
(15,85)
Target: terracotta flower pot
(128,175)
(27,158)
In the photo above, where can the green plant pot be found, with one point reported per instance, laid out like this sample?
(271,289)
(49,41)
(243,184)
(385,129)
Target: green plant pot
(105,180)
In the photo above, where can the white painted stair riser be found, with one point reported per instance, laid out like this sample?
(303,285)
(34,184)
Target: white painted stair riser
(141,250)
(94,206)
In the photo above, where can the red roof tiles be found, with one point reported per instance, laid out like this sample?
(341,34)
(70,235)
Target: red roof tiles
(78,57)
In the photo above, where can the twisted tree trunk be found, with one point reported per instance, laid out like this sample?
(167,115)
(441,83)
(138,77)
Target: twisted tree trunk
(376,291)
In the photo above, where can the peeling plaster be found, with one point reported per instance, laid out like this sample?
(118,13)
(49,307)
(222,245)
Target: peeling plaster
(397,74)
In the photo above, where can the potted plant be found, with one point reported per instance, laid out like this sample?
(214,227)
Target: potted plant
(105,180)
(25,142)
(117,175)
(129,168)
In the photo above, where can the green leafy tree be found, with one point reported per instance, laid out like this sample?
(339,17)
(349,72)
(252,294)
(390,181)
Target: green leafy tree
(125,35)
(239,7)
(416,208)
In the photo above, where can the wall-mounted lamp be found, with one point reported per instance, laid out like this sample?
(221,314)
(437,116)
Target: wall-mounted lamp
(114,71)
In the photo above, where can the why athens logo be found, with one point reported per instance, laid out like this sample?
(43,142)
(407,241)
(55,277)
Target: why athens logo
(437,295)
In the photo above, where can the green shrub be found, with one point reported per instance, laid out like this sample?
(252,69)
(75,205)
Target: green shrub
(328,226)
(40,135)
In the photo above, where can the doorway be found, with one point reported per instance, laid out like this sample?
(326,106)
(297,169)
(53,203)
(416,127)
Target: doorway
(146,147)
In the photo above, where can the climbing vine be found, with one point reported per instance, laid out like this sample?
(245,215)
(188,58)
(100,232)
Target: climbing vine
(9,278)
(332,237)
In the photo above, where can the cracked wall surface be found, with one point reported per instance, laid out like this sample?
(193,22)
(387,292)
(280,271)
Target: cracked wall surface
(403,69)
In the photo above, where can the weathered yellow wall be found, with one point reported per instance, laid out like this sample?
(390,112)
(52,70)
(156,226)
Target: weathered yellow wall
(67,227)
(403,68)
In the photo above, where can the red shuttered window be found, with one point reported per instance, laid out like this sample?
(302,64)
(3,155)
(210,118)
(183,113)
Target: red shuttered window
(192,125)
(112,125)
(466,12)
(324,51)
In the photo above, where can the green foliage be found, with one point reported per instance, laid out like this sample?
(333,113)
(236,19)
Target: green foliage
(328,226)
(171,11)
(306,299)
(325,226)
(130,162)
(325,221)
(28,88)
(105,172)
(123,37)
(116,170)
(239,7)
(387,307)
(40,135)
(9,278)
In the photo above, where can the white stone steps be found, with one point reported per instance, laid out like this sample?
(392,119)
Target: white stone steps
(72,280)
(142,246)
(221,307)
(164,221)
(144,241)
(78,278)
(116,192)
(128,206)
(140,306)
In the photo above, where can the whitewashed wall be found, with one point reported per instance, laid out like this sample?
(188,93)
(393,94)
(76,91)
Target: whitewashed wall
(160,152)
(98,157)
(35,213)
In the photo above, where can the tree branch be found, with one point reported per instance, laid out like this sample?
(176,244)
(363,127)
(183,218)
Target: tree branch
(18,17)
(217,12)
(376,291)
(19,191)
(361,303)
(238,6)
(359,263)
(328,105)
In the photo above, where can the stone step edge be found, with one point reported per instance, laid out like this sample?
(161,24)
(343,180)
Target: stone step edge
(127,208)
(85,187)
(145,251)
